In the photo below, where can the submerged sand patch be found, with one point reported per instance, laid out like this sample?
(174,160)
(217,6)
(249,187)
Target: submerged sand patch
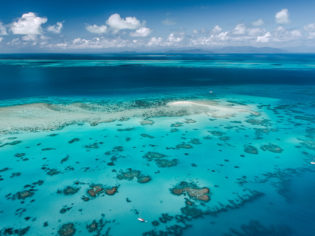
(45,116)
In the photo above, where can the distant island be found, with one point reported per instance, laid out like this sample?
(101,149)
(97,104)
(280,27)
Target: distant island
(231,49)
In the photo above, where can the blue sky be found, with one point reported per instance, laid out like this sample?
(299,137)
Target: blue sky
(74,25)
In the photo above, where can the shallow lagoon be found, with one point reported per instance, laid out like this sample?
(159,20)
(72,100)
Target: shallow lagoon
(236,161)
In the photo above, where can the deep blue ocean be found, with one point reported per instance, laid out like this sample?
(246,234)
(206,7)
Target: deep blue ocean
(157,144)
(81,75)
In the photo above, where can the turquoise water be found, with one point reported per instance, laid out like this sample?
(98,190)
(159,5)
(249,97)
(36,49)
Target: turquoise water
(259,64)
(201,160)
(245,61)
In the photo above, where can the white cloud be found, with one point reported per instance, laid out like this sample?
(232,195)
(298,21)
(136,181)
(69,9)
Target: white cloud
(130,32)
(29,24)
(240,29)
(99,42)
(264,38)
(254,31)
(311,35)
(280,29)
(212,40)
(56,29)
(216,29)
(155,41)
(96,29)
(3,30)
(282,17)
(117,23)
(1,39)
(61,45)
(283,35)
(29,37)
(310,27)
(174,39)
(168,22)
(13,42)
(216,38)
(80,41)
(296,33)
(258,22)
(223,36)
(141,32)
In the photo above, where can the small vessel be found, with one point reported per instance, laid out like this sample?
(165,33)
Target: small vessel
(142,220)
(312,162)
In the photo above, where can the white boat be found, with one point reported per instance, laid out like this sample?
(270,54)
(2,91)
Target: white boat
(142,220)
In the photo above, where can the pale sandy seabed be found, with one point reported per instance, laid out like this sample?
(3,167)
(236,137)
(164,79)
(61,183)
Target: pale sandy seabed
(43,116)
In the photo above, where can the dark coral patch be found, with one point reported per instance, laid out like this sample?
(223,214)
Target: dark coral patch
(216,133)
(111,191)
(64,209)
(125,129)
(92,146)
(11,143)
(153,155)
(97,226)
(48,149)
(195,141)
(66,158)
(143,179)
(95,190)
(250,149)
(50,171)
(183,146)
(263,122)
(177,124)
(192,190)
(67,230)
(147,136)
(22,154)
(131,174)
(256,228)
(162,163)
(24,194)
(98,189)
(69,190)
(192,211)
(271,148)
(73,140)
(190,121)
(12,231)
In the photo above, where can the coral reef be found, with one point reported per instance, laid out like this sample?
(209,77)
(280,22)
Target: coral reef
(192,190)
(162,163)
(153,155)
(256,228)
(131,174)
(271,148)
(69,190)
(67,230)
(99,189)
(250,149)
